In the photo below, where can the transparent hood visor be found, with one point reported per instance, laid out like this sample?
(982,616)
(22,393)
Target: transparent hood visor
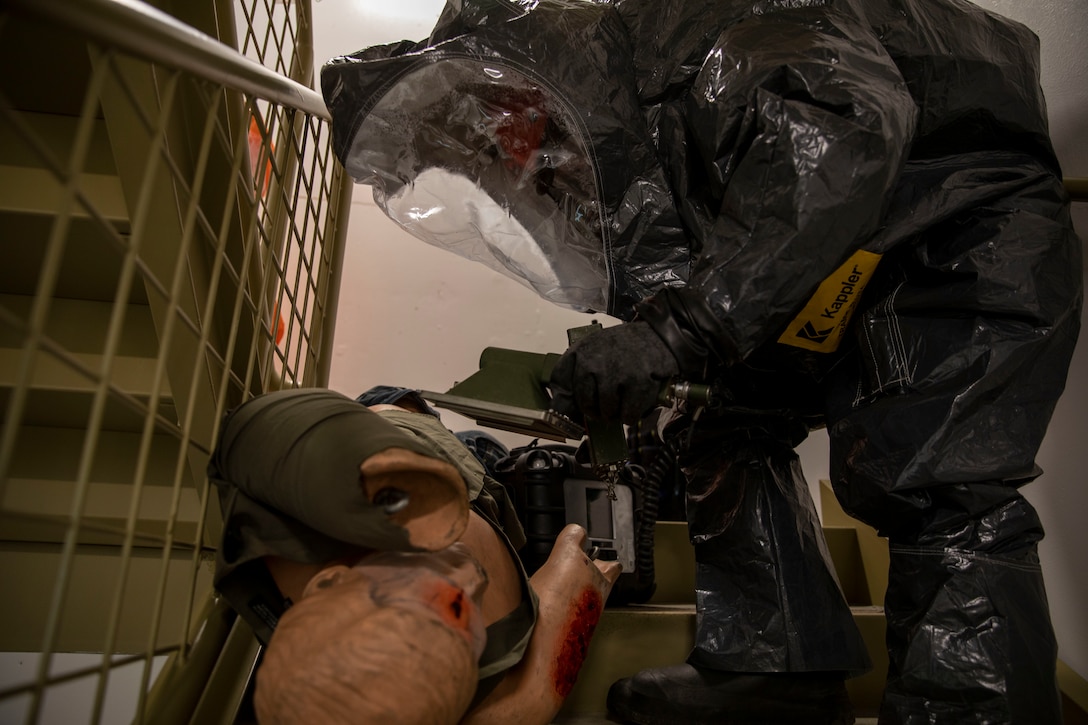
(482,161)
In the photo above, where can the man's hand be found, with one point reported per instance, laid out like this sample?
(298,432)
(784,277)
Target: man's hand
(614,374)
(572,590)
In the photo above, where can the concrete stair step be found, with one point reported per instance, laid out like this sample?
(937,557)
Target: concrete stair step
(93,587)
(605,720)
(661,632)
(634,638)
(63,380)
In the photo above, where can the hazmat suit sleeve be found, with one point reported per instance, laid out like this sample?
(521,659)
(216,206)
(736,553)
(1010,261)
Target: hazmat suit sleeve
(782,154)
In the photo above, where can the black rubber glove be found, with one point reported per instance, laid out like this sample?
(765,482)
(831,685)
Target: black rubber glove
(614,374)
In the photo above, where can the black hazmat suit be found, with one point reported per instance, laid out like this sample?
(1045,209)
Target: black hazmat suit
(850,214)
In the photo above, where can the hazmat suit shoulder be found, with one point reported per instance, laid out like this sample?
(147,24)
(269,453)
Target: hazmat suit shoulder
(720,168)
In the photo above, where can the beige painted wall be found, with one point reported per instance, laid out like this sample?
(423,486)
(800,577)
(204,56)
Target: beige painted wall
(415,316)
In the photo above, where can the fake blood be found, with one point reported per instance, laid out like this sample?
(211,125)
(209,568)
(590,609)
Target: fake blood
(584,616)
(520,133)
(450,604)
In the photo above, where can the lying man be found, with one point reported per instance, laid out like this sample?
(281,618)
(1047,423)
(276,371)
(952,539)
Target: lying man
(376,559)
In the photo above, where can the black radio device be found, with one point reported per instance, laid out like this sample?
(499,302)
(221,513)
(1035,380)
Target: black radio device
(551,487)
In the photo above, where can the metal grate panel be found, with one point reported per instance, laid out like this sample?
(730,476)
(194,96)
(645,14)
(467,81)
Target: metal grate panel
(172,222)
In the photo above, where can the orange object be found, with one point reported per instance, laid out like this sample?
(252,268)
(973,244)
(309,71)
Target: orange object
(281,327)
(256,145)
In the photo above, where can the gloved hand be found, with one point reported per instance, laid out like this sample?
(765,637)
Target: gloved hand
(614,374)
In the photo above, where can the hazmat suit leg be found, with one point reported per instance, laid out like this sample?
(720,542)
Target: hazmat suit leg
(934,422)
(969,634)
(774,636)
(969,628)
(767,599)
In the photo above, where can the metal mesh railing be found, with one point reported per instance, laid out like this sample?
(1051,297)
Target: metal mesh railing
(273,34)
(172,222)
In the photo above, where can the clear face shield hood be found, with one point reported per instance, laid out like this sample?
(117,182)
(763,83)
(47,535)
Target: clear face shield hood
(477,159)
(514,143)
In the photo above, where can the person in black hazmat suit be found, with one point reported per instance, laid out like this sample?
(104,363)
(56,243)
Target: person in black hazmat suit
(844,212)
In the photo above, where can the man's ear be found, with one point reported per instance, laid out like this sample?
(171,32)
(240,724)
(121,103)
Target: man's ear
(425,496)
(327,577)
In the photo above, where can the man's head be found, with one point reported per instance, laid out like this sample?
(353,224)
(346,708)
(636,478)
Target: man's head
(395,638)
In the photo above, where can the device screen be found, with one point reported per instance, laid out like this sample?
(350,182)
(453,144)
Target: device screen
(598,513)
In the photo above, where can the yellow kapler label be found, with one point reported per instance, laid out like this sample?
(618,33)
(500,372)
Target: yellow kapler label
(821,325)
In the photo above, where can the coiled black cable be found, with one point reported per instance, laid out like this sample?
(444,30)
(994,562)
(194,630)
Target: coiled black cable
(651,484)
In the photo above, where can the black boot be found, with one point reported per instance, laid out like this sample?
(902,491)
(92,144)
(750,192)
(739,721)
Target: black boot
(688,695)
